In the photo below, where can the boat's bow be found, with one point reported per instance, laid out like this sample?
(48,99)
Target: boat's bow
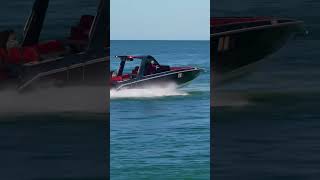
(237,43)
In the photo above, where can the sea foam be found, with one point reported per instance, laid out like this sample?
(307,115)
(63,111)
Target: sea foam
(148,92)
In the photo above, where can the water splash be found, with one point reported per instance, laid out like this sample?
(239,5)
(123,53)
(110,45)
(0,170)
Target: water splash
(148,92)
(48,100)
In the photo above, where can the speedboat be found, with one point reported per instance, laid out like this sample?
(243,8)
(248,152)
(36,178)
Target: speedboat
(80,59)
(239,42)
(150,73)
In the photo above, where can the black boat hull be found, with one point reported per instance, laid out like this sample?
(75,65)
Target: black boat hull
(178,78)
(247,46)
(88,73)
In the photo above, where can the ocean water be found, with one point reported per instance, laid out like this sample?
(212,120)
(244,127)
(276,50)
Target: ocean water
(53,146)
(162,133)
(52,133)
(266,125)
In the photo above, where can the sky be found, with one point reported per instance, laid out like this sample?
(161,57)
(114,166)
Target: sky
(159,19)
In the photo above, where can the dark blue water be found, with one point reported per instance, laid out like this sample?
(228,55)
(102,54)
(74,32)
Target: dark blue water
(266,125)
(51,146)
(55,133)
(162,134)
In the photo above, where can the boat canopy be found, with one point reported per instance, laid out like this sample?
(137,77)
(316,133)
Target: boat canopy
(131,58)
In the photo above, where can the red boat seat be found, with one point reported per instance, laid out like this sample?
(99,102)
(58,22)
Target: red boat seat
(117,78)
(126,76)
(19,55)
(30,54)
(135,70)
(50,47)
(3,54)
(14,56)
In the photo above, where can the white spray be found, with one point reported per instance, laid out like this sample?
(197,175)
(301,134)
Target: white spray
(148,92)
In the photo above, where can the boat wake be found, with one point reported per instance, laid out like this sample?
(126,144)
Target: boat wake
(148,92)
(264,96)
(52,100)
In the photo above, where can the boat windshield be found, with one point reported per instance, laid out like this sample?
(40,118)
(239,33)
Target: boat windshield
(131,67)
(134,66)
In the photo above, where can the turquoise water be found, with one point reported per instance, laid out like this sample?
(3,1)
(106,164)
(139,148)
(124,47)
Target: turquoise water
(162,134)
